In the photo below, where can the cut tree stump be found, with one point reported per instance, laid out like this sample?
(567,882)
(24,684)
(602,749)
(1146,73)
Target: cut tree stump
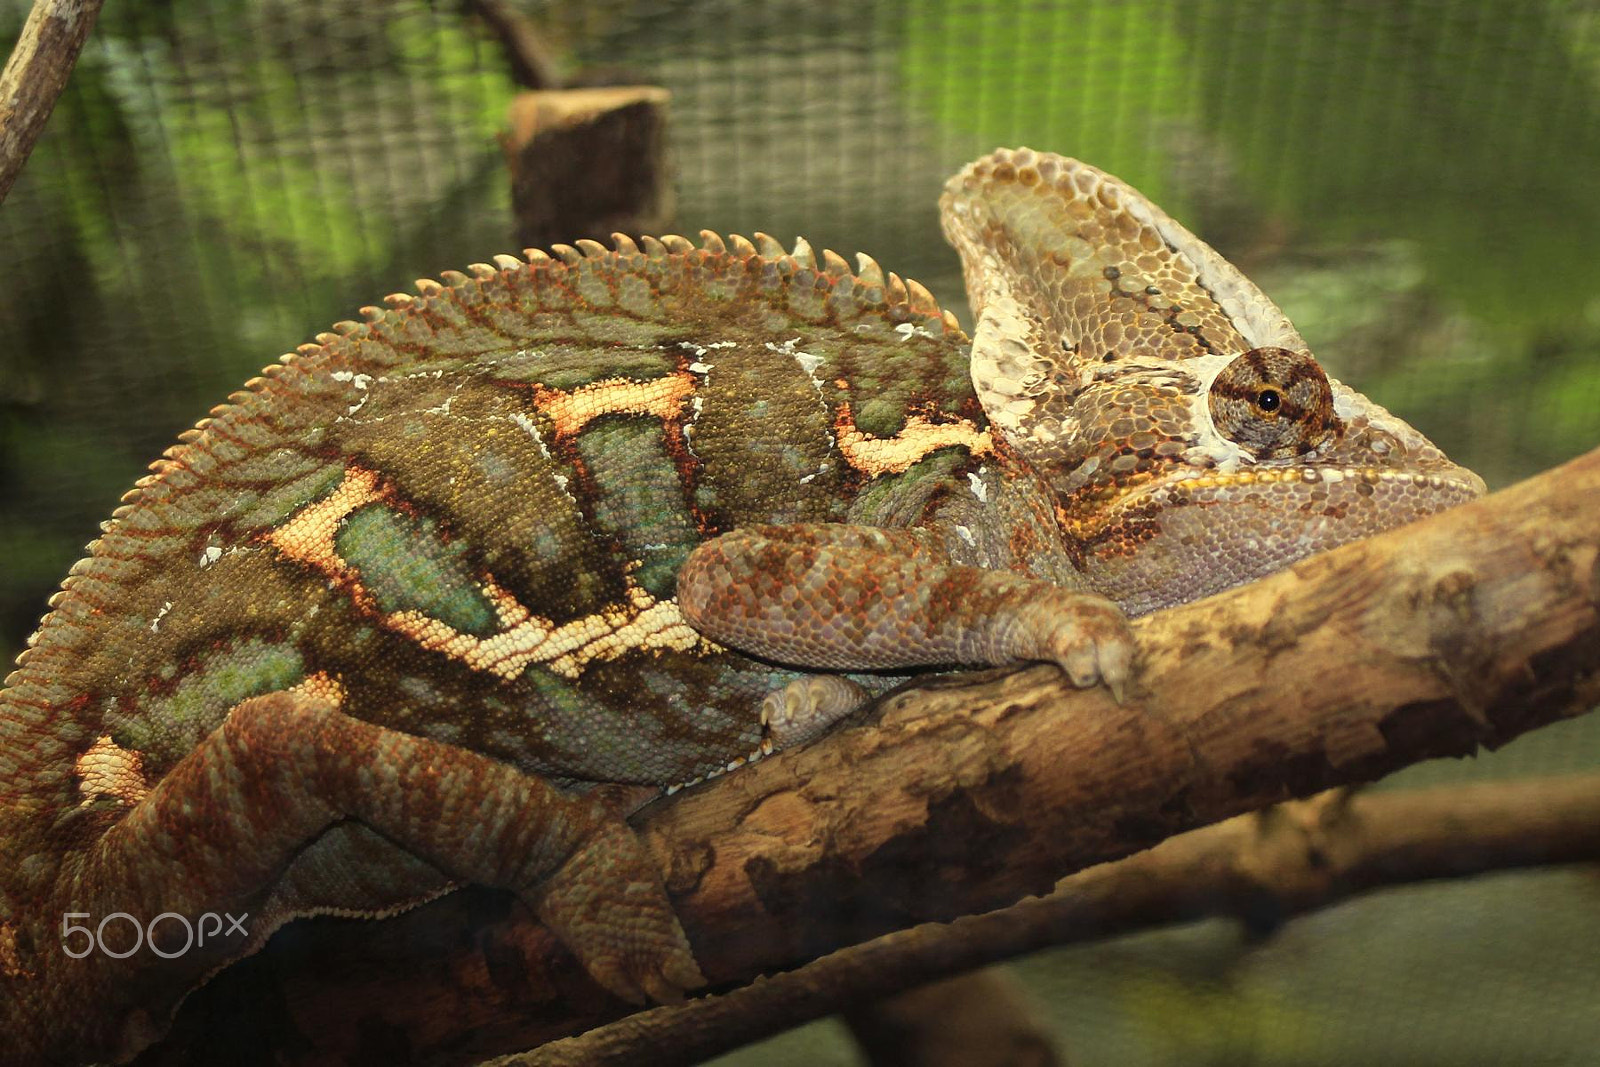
(615,138)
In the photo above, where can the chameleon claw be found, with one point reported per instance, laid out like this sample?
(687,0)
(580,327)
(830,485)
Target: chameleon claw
(806,707)
(1082,666)
(616,981)
(627,939)
(661,991)
(683,974)
(1086,636)
(1116,665)
(1119,689)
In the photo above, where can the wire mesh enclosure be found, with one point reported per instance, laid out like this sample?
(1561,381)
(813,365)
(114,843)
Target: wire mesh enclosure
(1416,184)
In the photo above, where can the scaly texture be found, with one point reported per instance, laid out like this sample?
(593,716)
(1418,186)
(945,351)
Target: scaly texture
(373,628)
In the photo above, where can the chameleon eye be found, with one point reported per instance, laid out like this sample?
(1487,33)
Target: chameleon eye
(1273,402)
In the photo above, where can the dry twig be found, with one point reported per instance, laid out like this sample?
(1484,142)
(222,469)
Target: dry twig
(529,60)
(38,70)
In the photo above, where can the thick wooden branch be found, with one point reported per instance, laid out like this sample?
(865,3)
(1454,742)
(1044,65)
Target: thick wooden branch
(1260,868)
(1461,631)
(38,70)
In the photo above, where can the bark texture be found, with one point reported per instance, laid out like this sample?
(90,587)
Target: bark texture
(33,78)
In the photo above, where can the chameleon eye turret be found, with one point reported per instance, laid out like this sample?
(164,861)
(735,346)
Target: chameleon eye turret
(1275,403)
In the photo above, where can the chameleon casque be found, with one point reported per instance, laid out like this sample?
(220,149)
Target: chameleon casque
(631,516)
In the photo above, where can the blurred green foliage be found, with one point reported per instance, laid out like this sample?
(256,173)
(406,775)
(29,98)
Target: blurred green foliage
(1468,128)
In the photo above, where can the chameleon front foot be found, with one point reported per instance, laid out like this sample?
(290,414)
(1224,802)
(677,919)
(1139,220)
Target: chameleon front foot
(1086,636)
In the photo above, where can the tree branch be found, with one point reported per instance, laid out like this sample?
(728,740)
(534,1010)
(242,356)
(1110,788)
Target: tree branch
(38,70)
(529,60)
(1267,867)
(974,791)
(984,1018)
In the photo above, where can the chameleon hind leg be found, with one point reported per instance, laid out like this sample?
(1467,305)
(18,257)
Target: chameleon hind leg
(841,597)
(251,801)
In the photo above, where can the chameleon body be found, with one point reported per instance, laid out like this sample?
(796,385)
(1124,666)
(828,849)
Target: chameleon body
(382,623)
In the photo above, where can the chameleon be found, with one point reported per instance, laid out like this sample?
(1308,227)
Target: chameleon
(437,598)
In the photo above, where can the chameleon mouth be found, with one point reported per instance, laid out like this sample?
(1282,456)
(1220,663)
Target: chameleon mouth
(1177,536)
(1465,482)
(1426,492)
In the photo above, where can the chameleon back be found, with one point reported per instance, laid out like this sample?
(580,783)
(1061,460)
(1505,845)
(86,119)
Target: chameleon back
(508,471)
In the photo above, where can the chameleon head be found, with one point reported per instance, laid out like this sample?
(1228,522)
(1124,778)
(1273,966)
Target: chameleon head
(1192,441)
(1231,468)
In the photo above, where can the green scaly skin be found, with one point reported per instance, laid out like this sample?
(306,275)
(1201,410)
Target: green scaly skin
(608,517)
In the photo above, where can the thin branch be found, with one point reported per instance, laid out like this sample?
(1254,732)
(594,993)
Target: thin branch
(968,794)
(982,1019)
(531,65)
(1294,859)
(38,70)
